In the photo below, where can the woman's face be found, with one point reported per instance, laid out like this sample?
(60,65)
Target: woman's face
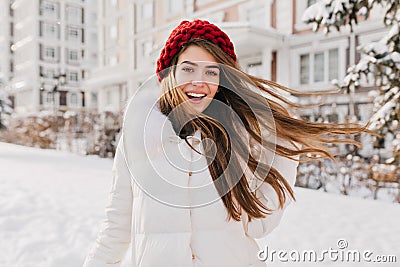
(197,74)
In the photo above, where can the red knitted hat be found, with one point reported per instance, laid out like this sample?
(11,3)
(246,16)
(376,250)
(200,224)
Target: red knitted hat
(184,33)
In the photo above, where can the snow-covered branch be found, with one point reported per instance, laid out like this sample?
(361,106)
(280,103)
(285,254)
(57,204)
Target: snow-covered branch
(380,61)
(338,13)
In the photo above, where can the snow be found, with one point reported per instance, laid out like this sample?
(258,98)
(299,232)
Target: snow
(379,48)
(393,31)
(383,111)
(373,93)
(5,102)
(363,11)
(52,204)
(314,11)
(322,10)
(68,114)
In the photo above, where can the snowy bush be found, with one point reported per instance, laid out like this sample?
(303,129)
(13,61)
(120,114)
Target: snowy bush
(84,133)
(31,130)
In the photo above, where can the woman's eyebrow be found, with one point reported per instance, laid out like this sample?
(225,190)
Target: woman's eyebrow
(212,67)
(189,62)
(196,65)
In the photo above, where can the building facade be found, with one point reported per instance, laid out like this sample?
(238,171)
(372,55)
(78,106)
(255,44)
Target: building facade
(6,38)
(270,39)
(52,47)
(109,84)
(88,55)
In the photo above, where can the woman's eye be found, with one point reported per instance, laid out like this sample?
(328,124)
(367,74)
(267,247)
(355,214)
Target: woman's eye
(211,72)
(187,69)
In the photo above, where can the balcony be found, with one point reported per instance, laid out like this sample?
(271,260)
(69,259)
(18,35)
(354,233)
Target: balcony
(247,38)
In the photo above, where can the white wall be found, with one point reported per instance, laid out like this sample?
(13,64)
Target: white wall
(284,16)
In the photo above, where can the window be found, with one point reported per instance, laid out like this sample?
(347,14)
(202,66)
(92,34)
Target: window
(49,8)
(143,49)
(72,56)
(48,29)
(74,99)
(93,97)
(304,69)
(73,76)
(74,33)
(147,47)
(50,97)
(324,68)
(319,67)
(74,14)
(48,53)
(50,73)
(63,98)
(333,64)
(47,72)
(146,10)
(113,32)
(145,15)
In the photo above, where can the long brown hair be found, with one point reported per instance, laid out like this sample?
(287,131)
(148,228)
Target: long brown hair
(307,139)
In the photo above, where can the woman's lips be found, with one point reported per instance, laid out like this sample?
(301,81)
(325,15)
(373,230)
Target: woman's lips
(195,97)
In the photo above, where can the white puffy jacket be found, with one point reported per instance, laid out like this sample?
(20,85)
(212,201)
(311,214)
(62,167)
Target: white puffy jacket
(166,236)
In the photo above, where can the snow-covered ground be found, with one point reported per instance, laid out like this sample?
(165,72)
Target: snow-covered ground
(52,204)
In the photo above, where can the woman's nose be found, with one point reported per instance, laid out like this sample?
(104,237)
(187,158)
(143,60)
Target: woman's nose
(198,78)
(198,82)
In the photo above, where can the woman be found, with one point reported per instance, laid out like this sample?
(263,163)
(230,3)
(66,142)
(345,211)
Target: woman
(178,210)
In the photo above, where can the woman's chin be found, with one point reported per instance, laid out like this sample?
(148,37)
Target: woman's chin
(198,106)
(195,109)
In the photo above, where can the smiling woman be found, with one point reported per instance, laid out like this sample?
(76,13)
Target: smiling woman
(197,75)
(178,210)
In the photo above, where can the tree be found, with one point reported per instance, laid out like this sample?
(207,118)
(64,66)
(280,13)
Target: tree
(5,104)
(380,62)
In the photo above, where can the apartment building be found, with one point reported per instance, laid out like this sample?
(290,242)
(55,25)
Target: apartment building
(270,40)
(110,82)
(6,38)
(52,47)
(132,33)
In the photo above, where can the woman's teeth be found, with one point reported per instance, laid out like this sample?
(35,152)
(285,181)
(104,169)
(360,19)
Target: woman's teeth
(194,95)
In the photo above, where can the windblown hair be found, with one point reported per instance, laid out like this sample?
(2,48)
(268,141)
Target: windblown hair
(234,144)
